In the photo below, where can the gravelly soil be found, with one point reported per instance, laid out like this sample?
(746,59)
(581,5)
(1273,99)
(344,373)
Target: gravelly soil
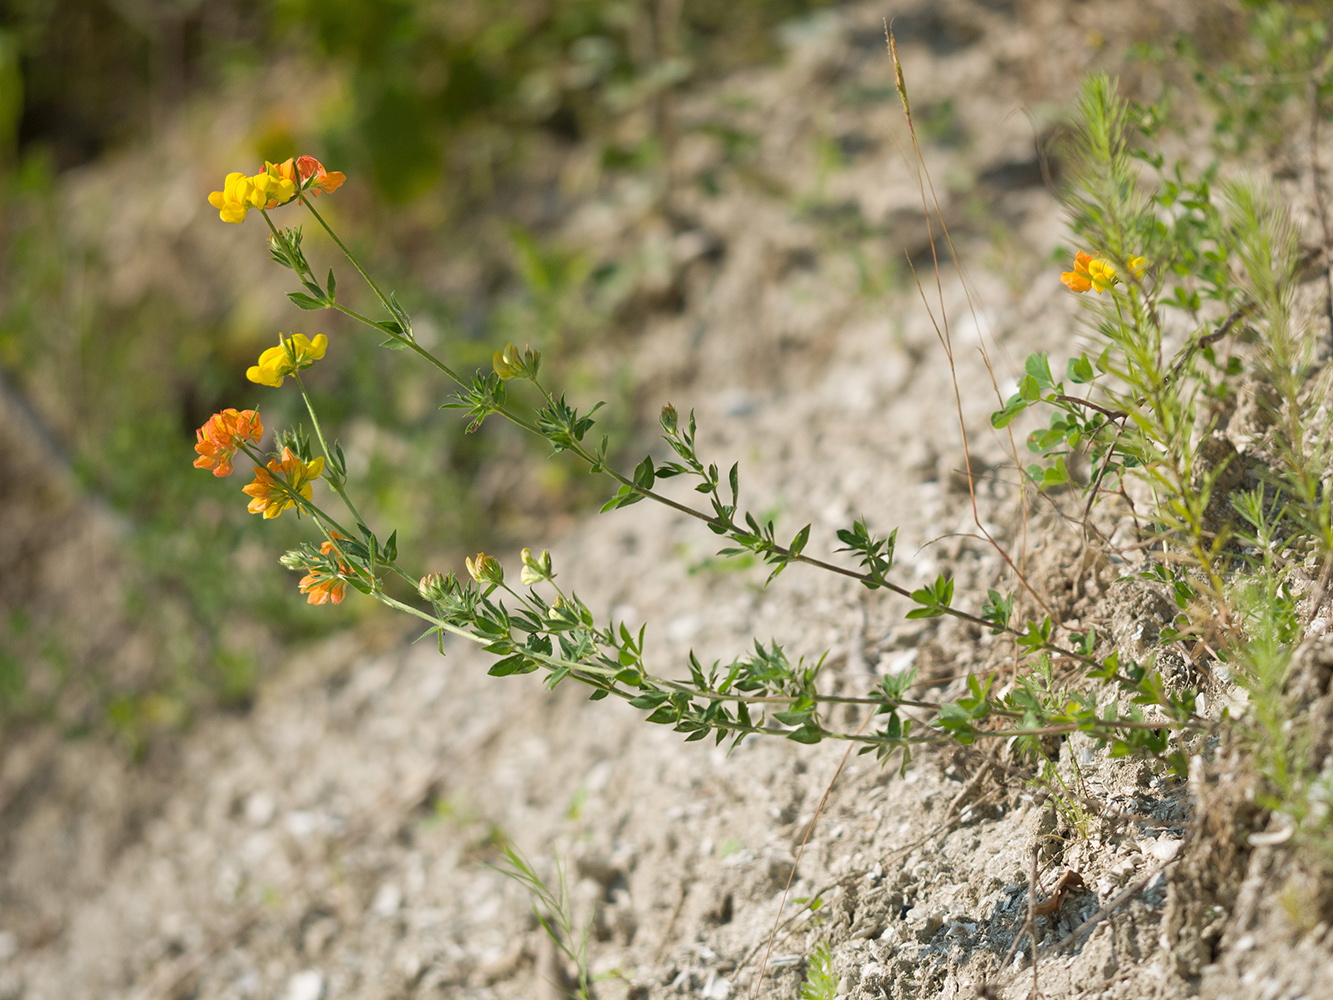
(332,842)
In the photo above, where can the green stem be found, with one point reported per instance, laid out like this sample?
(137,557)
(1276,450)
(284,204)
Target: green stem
(348,254)
(274,230)
(328,454)
(426,355)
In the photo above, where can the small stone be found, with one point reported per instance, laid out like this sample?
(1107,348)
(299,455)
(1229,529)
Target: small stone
(387,900)
(1164,850)
(925,925)
(307,985)
(9,945)
(715,988)
(259,809)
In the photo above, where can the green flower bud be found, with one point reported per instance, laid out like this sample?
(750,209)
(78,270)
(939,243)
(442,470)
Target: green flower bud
(510,364)
(535,568)
(433,587)
(485,569)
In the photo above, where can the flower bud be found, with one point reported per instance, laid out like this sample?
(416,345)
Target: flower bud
(669,419)
(485,569)
(433,587)
(510,364)
(535,568)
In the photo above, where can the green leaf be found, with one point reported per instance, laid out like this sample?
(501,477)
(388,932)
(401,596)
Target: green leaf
(798,543)
(1080,370)
(644,474)
(305,302)
(517,664)
(1056,475)
(648,700)
(1002,418)
(333,286)
(1038,368)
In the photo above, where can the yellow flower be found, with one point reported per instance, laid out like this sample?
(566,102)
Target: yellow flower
(1091,273)
(274,488)
(235,199)
(290,356)
(275,184)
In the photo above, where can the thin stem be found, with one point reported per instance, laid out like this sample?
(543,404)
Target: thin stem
(324,446)
(348,254)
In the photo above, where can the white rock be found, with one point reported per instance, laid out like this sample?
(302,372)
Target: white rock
(259,809)
(303,823)
(388,897)
(9,945)
(307,985)
(715,988)
(1164,850)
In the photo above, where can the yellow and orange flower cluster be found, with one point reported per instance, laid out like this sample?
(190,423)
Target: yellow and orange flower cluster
(275,488)
(320,587)
(222,435)
(290,356)
(288,479)
(1093,274)
(275,185)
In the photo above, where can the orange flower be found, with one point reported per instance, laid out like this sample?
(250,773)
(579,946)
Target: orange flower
(272,491)
(1078,280)
(324,182)
(222,435)
(322,587)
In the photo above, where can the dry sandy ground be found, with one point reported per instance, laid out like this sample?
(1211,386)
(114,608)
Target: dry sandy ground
(332,842)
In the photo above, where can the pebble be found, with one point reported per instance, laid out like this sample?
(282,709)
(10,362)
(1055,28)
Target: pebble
(259,809)
(388,897)
(715,988)
(307,985)
(1163,850)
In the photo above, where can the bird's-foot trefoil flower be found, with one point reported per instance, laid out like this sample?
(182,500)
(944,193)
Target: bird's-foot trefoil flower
(276,183)
(275,488)
(1094,274)
(324,584)
(222,435)
(236,198)
(320,180)
(290,356)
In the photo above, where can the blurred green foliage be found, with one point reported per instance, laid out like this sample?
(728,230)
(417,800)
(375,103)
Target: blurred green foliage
(453,86)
